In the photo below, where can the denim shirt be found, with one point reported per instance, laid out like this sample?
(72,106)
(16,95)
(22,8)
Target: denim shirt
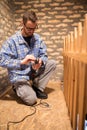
(15,49)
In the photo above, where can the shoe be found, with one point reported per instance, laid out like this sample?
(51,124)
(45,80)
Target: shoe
(40,94)
(14,89)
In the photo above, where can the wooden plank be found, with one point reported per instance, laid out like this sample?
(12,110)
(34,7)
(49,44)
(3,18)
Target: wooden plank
(65,78)
(75,39)
(75,96)
(81,94)
(85,97)
(77,56)
(84,41)
(71,89)
(72,42)
(79,37)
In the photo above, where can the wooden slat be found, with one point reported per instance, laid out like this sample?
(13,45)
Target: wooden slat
(81,94)
(75,39)
(79,37)
(71,42)
(84,38)
(75,95)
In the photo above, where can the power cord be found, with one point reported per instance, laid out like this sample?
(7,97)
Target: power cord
(41,103)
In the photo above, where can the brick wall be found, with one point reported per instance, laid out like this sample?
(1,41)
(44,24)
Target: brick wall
(6,21)
(6,29)
(56,19)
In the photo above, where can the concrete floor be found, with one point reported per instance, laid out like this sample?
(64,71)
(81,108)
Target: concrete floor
(53,117)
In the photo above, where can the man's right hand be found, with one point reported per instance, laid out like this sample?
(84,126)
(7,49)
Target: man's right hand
(27,59)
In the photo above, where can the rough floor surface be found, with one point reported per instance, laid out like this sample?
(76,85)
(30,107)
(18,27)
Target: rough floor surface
(47,117)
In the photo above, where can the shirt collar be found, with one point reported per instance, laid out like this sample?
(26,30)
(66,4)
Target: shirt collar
(21,39)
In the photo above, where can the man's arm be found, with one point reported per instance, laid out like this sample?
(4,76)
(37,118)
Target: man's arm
(43,52)
(8,56)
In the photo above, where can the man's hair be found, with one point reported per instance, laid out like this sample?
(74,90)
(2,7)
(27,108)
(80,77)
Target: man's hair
(29,15)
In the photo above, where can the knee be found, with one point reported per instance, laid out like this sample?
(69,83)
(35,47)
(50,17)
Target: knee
(30,100)
(27,95)
(53,64)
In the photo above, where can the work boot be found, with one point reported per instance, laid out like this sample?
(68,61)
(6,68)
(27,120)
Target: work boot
(39,93)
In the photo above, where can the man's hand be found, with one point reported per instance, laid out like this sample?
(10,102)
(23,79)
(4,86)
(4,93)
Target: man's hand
(27,59)
(37,65)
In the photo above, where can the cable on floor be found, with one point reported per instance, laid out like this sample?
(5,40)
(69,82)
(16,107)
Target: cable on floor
(41,103)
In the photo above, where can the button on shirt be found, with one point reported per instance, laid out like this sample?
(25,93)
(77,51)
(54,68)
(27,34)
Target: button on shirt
(15,49)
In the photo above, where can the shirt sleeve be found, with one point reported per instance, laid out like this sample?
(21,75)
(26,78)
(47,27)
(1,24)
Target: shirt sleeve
(8,56)
(43,52)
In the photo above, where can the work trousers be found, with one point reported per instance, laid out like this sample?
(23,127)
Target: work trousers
(24,88)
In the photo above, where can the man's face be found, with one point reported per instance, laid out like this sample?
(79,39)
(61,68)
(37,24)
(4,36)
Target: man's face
(29,28)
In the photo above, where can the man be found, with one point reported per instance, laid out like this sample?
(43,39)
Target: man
(25,57)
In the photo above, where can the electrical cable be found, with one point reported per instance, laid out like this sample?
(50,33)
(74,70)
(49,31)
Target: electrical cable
(42,104)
